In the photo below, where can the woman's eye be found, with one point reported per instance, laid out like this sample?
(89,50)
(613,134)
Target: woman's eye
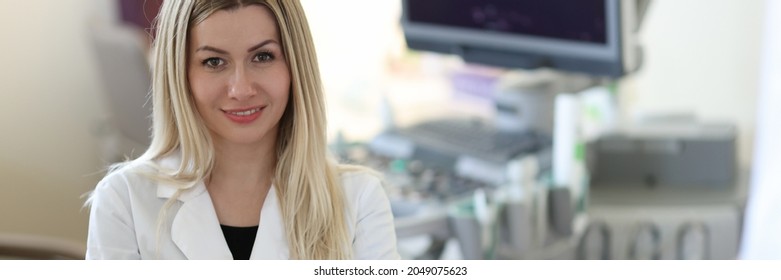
(212,62)
(264,57)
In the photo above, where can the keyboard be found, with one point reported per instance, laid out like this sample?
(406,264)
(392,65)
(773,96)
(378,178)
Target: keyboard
(474,138)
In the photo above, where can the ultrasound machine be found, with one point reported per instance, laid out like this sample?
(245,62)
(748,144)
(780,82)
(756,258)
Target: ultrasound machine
(460,163)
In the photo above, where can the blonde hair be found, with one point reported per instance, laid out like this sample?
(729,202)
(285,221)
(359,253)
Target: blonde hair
(306,177)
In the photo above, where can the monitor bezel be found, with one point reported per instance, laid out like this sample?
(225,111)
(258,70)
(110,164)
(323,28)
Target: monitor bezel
(528,52)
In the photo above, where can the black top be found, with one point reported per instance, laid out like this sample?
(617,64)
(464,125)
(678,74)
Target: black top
(240,240)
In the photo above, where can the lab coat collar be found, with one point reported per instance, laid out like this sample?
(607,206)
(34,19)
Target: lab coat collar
(271,241)
(196,229)
(168,190)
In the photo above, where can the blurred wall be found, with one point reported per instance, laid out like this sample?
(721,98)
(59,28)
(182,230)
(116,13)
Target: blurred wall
(355,41)
(49,115)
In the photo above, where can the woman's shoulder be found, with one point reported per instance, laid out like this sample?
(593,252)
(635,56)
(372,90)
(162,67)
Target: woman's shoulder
(370,214)
(363,185)
(121,177)
(138,172)
(116,188)
(360,177)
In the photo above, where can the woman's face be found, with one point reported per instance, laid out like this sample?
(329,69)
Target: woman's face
(238,74)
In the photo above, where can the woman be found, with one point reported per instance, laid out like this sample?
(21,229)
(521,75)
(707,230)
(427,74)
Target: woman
(238,165)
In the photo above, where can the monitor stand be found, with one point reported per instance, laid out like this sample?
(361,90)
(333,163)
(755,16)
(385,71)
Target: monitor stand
(525,100)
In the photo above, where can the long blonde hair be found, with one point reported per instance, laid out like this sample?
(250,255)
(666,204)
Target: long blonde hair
(306,178)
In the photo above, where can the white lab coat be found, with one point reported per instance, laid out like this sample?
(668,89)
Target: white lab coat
(125,208)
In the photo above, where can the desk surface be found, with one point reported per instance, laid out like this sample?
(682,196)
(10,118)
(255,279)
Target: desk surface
(670,196)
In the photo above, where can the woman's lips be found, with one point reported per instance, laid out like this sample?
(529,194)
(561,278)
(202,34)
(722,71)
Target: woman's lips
(244,115)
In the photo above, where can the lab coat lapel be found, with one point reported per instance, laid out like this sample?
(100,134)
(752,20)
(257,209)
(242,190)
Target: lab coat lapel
(196,229)
(270,241)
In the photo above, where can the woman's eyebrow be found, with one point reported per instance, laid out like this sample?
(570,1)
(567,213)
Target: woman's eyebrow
(251,49)
(255,47)
(211,49)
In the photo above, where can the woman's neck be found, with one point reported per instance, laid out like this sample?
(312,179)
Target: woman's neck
(243,166)
(240,181)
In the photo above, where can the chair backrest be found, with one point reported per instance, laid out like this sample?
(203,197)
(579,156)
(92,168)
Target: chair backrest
(33,247)
(125,74)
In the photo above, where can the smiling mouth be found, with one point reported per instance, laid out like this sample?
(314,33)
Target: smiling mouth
(244,112)
(244,115)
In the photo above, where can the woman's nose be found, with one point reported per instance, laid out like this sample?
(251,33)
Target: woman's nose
(242,86)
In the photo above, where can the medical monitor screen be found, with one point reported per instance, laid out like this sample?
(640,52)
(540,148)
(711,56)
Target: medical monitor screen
(580,20)
(593,37)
